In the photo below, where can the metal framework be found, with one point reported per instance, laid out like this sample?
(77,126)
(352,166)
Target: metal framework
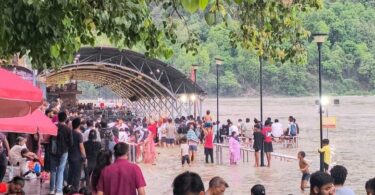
(150,87)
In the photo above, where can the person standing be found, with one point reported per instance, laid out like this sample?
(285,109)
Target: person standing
(247,129)
(304,168)
(171,133)
(326,150)
(149,151)
(4,151)
(266,131)
(208,143)
(188,183)
(216,186)
(76,155)
(277,129)
(339,173)
(59,146)
(121,177)
(234,149)
(92,148)
(321,183)
(258,141)
(90,126)
(184,152)
(103,159)
(193,141)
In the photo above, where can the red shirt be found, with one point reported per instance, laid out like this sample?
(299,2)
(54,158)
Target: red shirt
(153,129)
(208,143)
(121,177)
(266,131)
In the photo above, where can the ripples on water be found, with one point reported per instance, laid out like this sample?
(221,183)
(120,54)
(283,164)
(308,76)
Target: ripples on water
(352,144)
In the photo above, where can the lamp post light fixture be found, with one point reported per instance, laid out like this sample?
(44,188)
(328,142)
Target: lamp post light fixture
(218,63)
(195,68)
(319,38)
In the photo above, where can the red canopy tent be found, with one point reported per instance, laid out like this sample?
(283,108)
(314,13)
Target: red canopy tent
(32,123)
(17,96)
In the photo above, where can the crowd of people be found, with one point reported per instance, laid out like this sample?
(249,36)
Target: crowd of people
(99,147)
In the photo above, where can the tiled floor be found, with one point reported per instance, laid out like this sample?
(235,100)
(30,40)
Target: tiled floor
(35,187)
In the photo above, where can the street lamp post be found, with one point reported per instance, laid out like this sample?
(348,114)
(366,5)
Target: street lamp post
(261,107)
(218,62)
(195,68)
(319,38)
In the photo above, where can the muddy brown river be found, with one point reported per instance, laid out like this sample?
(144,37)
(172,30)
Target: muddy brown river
(352,144)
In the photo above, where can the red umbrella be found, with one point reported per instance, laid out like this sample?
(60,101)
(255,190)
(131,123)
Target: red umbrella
(32,123)
(17,96)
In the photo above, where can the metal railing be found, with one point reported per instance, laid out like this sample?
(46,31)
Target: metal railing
(244,151)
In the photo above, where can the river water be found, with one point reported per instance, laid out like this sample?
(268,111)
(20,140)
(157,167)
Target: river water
(352,144)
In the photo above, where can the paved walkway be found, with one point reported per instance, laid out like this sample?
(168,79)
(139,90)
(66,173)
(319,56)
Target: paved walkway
(34,187)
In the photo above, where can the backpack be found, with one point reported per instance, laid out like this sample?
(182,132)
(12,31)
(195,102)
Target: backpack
(293,129)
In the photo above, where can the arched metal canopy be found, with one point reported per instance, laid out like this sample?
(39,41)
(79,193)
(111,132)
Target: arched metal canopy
(149,86)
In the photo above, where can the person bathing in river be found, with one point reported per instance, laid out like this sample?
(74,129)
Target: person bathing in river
(304,168)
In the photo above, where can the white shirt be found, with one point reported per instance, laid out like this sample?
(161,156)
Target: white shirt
(15,153)
(185,149)
(85,135)
(123,136)
(277,129)
(233,128)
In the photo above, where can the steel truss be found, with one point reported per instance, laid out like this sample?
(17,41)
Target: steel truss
(149,87)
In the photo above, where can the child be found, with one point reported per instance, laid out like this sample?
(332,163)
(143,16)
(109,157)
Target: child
(234,148)
(326,150)
(184,152)
(304,168)
(193,141)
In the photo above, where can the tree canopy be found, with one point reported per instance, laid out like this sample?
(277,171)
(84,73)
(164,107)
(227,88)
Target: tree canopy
(348,60)
(50,31)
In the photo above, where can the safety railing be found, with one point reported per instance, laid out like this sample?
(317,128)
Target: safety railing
(245,154)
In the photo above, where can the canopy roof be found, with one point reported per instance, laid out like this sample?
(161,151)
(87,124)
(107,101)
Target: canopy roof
(127,73)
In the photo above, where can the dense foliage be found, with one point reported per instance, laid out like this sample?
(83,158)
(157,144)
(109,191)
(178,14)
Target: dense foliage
(348,57)
(51,31)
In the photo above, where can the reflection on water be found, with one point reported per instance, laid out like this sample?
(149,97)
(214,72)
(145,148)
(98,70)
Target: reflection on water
(352,144)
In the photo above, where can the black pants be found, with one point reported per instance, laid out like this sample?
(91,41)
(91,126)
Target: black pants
(209,152)
(3,165)
(74,173)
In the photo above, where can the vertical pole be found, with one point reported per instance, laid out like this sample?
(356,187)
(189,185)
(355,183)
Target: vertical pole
(195,92)
(320,104)
(261,107)
(217,104)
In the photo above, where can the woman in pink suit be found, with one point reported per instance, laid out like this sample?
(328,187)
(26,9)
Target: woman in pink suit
(149,152)
(234,148)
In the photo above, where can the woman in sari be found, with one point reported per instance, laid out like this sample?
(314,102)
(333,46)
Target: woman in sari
(234,148)
(149,152)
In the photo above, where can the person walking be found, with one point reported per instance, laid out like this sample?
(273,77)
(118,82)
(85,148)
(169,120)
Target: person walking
(59,146)
(121,177)
(193,141)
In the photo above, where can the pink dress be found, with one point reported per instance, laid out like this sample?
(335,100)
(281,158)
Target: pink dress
(149,152)
(234,148)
